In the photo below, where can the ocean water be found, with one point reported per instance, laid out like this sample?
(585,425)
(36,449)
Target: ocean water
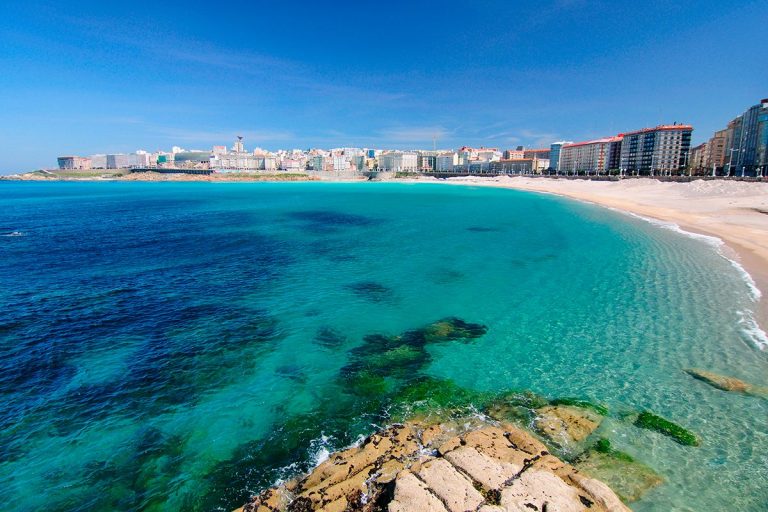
(178,346)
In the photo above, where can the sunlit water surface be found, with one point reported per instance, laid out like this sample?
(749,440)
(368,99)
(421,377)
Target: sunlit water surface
(174,346)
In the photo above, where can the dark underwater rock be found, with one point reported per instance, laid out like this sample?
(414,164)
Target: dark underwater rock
(446,275)
(406,355)
(329,221)
(371,291)
(329,337)
(481,229)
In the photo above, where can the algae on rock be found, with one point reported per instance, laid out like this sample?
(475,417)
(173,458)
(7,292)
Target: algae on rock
(679,434)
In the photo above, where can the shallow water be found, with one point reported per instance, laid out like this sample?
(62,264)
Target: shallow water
(176,346)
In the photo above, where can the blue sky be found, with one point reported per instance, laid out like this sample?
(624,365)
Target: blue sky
(83,77)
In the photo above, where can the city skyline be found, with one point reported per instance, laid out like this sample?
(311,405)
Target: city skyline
(91,78)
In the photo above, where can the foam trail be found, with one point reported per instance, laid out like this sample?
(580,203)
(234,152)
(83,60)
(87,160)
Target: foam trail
(752,330)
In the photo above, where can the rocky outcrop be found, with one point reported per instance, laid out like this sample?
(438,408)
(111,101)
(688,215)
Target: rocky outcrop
(726,383)
(450,467)
(566,425)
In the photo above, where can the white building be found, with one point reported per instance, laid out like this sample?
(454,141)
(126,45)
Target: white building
(340,163)
(446,161)
(398,161)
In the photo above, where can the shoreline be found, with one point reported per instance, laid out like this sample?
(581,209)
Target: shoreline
(731,214)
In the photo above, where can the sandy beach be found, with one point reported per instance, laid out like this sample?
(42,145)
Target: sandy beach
(735,212)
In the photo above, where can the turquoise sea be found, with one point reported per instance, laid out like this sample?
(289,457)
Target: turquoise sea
(179,346)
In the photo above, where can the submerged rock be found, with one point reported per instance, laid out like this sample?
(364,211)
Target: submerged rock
(329,337)
(566,425)
(371,291)
(629,478)
(726,383)
(401,358)
(413,467)
(583,404)
(679,434)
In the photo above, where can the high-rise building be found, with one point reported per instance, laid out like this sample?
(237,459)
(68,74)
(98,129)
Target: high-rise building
(715,154)
(663,149)
(594,156)
(745,148)
(554,153)
(762,139)
(697,162)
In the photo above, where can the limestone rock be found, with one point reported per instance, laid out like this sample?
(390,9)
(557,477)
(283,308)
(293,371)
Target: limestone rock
(454,489)
(412,495)
(727,383)
(566,425)
(539,488)
(477,467)
(629,479)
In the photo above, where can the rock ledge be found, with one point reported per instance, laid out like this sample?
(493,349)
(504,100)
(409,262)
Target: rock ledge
(451,467)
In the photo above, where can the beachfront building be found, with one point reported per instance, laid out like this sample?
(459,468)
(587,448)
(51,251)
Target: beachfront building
(660,150)
(591,157)
(762,140)
(398,161)
(68,163)
(427,161)
(554,153)
(233,162)
(340,163)
(239,160)
(320,163)
(540,157)
(715,154)
(514,154)
(745,152)
(697,163)
(513,166)
(445,162)
(488,155)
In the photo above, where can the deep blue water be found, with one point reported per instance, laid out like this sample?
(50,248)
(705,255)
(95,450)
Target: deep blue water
(177,346)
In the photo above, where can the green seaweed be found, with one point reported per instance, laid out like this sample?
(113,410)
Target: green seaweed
(603,445)
(583,404)
(679,434)
(366,383)
(427,394)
